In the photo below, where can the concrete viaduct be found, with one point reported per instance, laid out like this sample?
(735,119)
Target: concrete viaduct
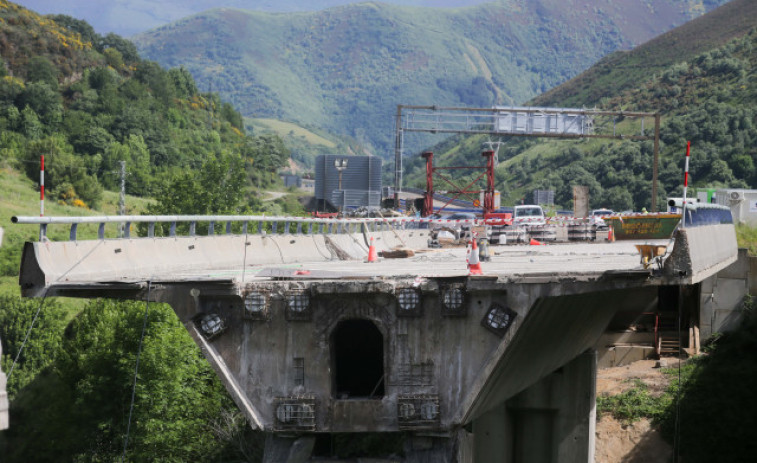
(309,339)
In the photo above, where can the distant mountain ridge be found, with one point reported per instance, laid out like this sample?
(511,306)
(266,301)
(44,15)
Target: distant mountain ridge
(701,77)
(129,17)
(345,69)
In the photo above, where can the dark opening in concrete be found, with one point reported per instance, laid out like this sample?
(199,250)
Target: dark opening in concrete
(357,353)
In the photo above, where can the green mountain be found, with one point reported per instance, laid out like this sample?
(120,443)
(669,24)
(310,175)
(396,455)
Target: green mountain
(128,17)
(701,77)
(89,102)
(346,68)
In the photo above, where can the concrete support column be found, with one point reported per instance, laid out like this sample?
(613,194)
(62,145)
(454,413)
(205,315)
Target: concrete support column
(3,396)
(281,449)
(432,449)
(553,420)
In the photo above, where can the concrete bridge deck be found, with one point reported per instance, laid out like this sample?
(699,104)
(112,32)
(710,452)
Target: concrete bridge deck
(311,340)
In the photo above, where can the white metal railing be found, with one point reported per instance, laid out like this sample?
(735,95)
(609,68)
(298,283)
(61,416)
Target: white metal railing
(304,225)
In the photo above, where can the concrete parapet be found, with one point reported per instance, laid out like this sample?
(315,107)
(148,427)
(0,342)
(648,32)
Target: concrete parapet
(700,252)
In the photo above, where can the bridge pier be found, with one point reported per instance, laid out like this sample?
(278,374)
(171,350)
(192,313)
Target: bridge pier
(552,420)
(3,398)
(287,449)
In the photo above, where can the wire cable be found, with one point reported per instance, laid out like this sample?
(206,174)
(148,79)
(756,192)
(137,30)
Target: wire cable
(42,303)
(28,332)
(136,370)
(677,429)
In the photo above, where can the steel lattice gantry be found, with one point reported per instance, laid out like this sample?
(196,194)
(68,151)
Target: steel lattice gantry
(523,121)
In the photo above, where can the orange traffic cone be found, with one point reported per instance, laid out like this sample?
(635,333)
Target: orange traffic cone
(610,236)
(535,242)
(372,257)
(474,263)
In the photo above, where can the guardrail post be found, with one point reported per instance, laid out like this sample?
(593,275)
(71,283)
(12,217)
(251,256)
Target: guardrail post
(101,231)
(286,227)
(151,230)
(228,227)
(274,227)
(244,227)
(127,230)
(192,228)
(211,228)
(172,231)
(72,233)
(299,228)
(42,231)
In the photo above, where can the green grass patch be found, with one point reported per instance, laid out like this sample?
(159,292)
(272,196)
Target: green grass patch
(746,236)
(636,403)
(284,129)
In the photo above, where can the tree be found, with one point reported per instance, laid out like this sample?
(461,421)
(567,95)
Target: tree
(16,316)
(82,414)
(113,58)
(66,176)
(40,69)
(79,26)
(45,101)
(127,49)
(183,82)
(157,79)
(217,188)
(134,152)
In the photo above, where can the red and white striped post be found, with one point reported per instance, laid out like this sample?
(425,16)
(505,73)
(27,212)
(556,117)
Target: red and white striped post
(685,183)
(42,185)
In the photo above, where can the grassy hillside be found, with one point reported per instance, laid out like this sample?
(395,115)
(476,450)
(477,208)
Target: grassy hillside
(346,68)
(626,69)
(708,99)
(90,103)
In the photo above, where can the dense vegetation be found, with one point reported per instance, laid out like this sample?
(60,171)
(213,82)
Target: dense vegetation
(345,69)
(72,389)
(717,387)
(708,100)
(89,102)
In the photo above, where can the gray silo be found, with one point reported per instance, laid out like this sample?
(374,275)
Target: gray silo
(360,181)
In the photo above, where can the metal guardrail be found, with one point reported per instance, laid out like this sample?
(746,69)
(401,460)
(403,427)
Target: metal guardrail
(304,225)
(321,225)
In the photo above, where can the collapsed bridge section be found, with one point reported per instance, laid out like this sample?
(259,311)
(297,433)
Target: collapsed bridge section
(311,340)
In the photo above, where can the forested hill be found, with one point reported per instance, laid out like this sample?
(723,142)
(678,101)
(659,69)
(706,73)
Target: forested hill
(88,102)
(705,90)
(625,69)
(346,68)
